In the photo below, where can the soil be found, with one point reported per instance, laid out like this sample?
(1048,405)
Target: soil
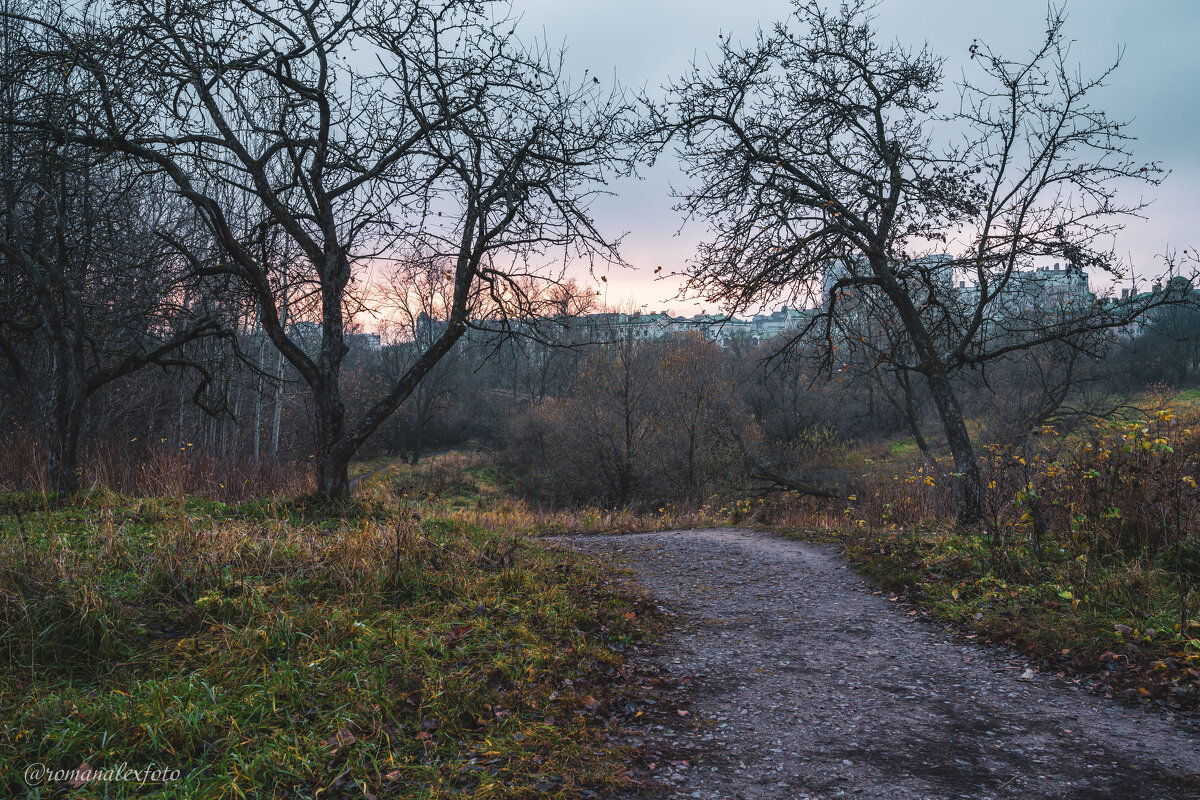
(788,676)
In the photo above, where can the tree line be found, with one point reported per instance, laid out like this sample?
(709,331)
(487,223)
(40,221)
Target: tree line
(202,198)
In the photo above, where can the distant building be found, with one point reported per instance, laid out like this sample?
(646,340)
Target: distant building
(1056,282)
(308,336)
(716,328)
(768,326)
(651,326)
(364,341)
(1046,288)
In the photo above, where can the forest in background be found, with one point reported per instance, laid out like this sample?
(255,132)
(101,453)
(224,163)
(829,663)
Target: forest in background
(615,421)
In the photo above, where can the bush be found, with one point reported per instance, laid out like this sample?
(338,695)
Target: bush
(645,423)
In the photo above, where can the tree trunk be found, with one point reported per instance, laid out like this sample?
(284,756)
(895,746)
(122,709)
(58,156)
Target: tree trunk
(418,438)
(968,489)
(258,396)
(277,410)
(333,478)
(910,414)
(333,451)
(68,392)
(62,440)
(180,419)
(230,441)
(918,437)
(423,412)
(333,460)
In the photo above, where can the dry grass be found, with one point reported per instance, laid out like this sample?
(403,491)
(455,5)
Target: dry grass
(274,649)
(157,470)
(468,488)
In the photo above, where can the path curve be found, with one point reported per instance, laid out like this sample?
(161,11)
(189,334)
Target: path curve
(806,683)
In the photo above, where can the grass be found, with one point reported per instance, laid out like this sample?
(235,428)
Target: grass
(1114,622)
(1188,398)
(420,642)
(1087,560)
(903,448)
(397,649)
(469,489)
(156,467)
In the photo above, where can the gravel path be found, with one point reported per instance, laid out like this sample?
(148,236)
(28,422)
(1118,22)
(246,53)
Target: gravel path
(803,682)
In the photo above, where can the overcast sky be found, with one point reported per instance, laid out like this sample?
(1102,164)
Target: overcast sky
(643,43)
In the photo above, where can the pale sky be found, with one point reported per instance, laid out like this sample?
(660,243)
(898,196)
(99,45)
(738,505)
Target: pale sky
(644,43)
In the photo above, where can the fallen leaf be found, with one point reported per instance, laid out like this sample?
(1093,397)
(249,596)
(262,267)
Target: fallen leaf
(83,774)
(455,633)
(342,738)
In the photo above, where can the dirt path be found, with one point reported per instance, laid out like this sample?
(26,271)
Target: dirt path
(806,684)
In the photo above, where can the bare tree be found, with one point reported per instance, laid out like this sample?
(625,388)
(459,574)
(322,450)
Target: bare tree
(601,434)
(814,163)
(700,416)
(362,130)
(94,288)
(418,299)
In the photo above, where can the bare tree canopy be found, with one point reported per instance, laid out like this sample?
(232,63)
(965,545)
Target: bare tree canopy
(94,287)
(361,132)
(826,168)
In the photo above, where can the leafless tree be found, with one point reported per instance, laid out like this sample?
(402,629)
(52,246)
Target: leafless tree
(701,416)
(612,416)
(363,130)
(823,164)
(418,299)
(94,287)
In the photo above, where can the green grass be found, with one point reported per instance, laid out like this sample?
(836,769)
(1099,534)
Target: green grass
(1076,617)
(272,650)
(1187,398)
